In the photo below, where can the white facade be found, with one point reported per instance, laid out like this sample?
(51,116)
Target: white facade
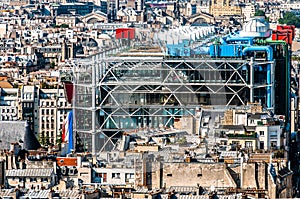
(63,107)
(248,11)
(47,114)
(288,6)
(269,136)
(53,110)
(9,106)
(119,176)
(3,29)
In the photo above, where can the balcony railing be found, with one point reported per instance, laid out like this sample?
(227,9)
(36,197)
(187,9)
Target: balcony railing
(253,135)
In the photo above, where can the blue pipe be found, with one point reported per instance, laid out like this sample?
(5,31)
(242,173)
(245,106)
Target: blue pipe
(233,39)
(269,51)
(223,40)
(227,39)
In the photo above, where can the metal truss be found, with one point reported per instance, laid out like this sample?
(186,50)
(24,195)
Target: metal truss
(118,94)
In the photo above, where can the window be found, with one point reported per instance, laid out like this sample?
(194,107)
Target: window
(273,134)
(44,179)
(261,145)
(169,174)
(84,174)
(32,179)
(103,176)
(116,175)
(261,133)
(129,176)
(274,145)
(248,144)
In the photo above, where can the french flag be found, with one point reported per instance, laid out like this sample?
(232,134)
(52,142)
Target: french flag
(67,131)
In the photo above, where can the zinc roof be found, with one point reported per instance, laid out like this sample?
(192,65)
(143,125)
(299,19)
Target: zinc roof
(35,172)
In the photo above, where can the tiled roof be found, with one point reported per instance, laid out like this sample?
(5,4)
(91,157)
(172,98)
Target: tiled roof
(6,192)
(232,154)
(5,84)
(234,196)
(142,190)
(37,172)
(165,196)
(69,194)
(37,194)
(182,189)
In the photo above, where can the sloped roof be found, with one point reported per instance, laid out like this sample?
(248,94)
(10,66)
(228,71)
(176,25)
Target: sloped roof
(34,172)
(37,194)
(69,194)
(5,84)
(284,172)
(7,192)
(183,189)
(14,131)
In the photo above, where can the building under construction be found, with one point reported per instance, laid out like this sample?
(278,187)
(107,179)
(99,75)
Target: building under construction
(149,86)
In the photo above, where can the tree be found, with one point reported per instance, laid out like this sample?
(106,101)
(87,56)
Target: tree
(59,139)
(52,65)
(64,25)
(260,13)
(43,140)
(290,18)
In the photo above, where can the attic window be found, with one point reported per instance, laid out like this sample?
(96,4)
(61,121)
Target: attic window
(169,174)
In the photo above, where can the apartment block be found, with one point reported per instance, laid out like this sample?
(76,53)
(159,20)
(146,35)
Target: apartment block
(9,104)
(63,107)
(47,115)
(27,100)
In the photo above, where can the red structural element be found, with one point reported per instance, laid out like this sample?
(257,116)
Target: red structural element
(285,27)
(69,91)
(125,33)
(284,33)
(66,161)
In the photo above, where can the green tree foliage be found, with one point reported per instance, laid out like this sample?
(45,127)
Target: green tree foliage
(260,13)
(64,25)
(44,140)
(52,65)
(290,19)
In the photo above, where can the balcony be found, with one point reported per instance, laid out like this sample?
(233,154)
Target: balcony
(242,136)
